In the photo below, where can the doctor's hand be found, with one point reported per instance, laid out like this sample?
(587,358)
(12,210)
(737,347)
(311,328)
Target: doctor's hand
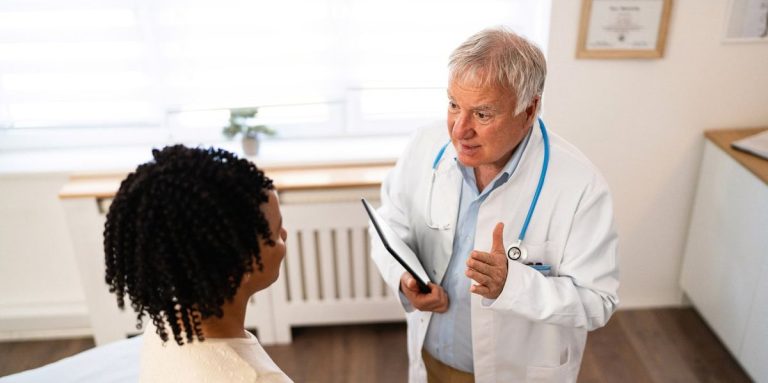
(436,300)
(489,270)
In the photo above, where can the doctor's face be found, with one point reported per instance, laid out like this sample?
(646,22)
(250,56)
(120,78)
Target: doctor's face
(483,126)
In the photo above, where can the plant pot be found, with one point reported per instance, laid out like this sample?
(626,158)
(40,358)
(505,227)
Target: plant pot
(251,146)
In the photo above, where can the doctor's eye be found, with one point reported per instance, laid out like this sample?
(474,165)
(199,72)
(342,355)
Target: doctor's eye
(483,116)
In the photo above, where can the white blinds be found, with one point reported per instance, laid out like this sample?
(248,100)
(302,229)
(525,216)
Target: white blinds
(315,67)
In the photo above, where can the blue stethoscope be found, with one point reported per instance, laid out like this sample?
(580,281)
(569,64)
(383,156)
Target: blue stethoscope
(515,251)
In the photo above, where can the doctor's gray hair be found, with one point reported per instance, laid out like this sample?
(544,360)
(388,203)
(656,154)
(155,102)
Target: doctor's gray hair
(499,57)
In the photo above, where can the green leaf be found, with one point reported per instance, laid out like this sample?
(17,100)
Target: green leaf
(238,124)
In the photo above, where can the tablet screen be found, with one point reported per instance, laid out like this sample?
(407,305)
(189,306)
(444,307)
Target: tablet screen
(397,247)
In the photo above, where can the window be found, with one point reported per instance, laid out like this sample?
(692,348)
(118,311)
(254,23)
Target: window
(86,72)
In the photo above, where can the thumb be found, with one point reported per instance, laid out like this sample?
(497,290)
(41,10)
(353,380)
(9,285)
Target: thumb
(498,238)
(410,283)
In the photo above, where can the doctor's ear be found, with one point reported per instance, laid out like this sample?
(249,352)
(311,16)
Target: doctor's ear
(530,111)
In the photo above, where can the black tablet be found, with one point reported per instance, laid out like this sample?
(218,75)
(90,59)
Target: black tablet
(399,249)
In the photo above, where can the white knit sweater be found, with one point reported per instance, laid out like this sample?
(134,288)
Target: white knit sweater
(213,360)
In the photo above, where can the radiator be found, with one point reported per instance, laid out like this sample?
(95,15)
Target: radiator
(328,276)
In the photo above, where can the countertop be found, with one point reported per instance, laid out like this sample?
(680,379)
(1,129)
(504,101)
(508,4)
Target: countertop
(723,139)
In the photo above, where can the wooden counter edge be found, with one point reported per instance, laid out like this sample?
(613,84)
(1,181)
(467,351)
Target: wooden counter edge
(723,139)
(285,179)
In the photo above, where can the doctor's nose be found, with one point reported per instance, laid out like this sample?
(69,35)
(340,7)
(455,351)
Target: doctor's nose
(462,125)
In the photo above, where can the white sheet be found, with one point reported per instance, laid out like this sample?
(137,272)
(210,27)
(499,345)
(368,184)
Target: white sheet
(756,144)
(117,362)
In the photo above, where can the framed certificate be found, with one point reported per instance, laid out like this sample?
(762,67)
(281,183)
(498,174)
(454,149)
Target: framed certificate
(747,21)
(623,28)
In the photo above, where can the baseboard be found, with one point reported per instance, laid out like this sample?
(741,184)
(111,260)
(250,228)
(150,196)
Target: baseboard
(44,320)
(652,301)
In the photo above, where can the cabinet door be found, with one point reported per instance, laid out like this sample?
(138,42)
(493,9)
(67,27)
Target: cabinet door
(726,245)
(754,353)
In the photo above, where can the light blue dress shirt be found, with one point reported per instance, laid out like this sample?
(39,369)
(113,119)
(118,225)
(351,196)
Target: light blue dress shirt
(449,337)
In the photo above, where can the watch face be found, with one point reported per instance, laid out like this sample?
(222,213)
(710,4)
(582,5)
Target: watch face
(514,253)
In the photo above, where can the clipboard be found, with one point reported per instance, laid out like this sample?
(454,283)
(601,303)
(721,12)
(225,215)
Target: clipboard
(399,249)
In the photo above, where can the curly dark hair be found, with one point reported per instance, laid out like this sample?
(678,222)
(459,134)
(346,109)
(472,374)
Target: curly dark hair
(180,234)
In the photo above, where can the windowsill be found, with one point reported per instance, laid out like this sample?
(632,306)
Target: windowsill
(273,154)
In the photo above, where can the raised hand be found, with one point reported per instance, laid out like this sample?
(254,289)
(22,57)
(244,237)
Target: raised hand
(489,270)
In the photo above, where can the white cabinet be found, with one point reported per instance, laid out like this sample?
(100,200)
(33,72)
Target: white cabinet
(725,270)
(754,352)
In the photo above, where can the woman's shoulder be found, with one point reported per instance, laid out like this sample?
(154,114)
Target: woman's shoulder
(208,361)
(251,352)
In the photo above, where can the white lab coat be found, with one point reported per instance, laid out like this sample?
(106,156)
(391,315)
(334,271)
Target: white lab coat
(535,331)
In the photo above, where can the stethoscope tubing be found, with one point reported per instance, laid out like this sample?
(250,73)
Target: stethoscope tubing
(540,185)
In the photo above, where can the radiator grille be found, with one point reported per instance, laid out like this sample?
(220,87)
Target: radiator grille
(330,263)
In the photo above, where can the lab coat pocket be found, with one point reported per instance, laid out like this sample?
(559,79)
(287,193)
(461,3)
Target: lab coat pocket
(543,254)
(558,374)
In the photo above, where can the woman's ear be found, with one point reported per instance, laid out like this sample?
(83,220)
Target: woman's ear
(246,278)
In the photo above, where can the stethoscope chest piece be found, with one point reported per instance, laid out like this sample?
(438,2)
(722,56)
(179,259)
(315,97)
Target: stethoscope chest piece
(516,252)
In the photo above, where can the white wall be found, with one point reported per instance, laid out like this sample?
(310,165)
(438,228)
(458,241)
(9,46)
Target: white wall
(641,122)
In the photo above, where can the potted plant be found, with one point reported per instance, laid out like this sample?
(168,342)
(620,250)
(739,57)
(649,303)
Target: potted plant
(240,123)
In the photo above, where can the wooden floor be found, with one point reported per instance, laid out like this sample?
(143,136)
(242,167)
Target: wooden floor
(660,345)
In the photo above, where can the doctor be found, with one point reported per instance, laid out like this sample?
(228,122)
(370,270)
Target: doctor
(460,197)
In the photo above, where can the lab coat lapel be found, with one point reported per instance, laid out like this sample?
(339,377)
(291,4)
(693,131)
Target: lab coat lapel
(446,207)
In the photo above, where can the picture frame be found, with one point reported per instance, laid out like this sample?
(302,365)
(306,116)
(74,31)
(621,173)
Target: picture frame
(623,29)
(746,22)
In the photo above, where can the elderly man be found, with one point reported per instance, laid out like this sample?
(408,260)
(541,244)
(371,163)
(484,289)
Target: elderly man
(496,313)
